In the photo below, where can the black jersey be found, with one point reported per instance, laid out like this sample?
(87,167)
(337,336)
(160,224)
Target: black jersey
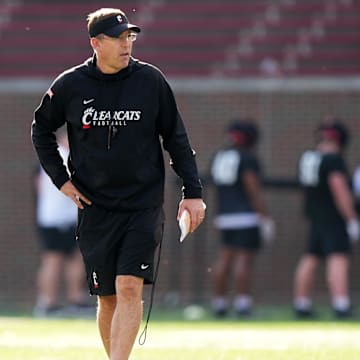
(227,169)
(116,125)
(314,171)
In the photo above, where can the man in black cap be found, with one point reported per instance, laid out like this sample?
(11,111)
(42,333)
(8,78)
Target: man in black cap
(242,216)
(333,223)
(118,112)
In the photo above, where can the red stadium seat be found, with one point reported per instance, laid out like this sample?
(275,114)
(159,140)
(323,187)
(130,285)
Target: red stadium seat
(186,38)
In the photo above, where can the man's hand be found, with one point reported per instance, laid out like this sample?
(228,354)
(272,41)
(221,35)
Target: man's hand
(74,194)
(196,209)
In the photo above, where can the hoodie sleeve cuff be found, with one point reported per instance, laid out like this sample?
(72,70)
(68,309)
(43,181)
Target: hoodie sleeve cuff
(61,180)
(193,193)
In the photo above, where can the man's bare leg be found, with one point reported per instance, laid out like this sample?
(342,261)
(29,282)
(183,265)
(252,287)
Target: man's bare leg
(304,276)
(48,278)
(75,278)
(243,273)
(127,316)
(337,269)
(303,282)
(221,273)
(106,309)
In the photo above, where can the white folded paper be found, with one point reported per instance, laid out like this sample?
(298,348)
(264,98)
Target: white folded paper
(184,224)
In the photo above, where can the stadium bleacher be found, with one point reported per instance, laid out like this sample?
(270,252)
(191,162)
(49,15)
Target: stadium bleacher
(185,38)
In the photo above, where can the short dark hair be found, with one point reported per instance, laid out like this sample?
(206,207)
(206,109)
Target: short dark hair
(101,14)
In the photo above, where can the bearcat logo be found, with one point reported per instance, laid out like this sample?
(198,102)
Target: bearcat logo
(95,280)
(95,118)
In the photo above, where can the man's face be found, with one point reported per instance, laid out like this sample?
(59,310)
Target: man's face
(113,53)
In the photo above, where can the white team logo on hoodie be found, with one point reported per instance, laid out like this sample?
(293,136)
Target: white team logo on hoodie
(93,117)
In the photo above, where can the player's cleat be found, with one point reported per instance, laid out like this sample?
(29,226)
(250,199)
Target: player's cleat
(243,313)
(304,313)
(220,313)
(220,306)
(81,310)
(343,314)
(48,312)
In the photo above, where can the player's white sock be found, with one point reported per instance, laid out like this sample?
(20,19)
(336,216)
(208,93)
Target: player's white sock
(243,303)
(341,303)
(219,303)
(302,303)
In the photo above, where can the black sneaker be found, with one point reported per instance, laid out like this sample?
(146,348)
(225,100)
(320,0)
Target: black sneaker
(243,313)
(343,314)
(220,313)
(304,313)
(48,312)
(81,310)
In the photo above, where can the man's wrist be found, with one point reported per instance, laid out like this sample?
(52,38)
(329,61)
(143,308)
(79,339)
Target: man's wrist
(61,180)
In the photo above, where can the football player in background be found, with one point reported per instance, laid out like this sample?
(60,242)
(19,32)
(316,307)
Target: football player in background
(333,224)
(242,216)
(56,217)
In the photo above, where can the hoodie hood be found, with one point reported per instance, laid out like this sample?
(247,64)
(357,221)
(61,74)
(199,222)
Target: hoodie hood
(90,69)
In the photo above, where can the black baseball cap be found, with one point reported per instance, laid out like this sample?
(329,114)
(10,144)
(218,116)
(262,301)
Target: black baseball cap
(112,26)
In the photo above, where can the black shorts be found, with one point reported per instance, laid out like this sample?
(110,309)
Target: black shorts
(60,240)
(246,239)
(118,243)
(325,239)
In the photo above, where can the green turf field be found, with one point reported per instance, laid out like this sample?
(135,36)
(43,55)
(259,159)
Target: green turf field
(172,338)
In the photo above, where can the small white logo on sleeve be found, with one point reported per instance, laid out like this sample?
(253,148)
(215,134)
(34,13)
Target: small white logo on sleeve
(144,266)
(85,102)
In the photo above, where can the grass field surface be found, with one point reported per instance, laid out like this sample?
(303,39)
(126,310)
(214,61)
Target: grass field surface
(25,338)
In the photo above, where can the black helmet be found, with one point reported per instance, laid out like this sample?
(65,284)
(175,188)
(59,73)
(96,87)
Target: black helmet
(245,132)
(335,130)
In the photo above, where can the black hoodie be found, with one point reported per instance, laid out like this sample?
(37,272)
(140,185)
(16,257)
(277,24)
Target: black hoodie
(115,124)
